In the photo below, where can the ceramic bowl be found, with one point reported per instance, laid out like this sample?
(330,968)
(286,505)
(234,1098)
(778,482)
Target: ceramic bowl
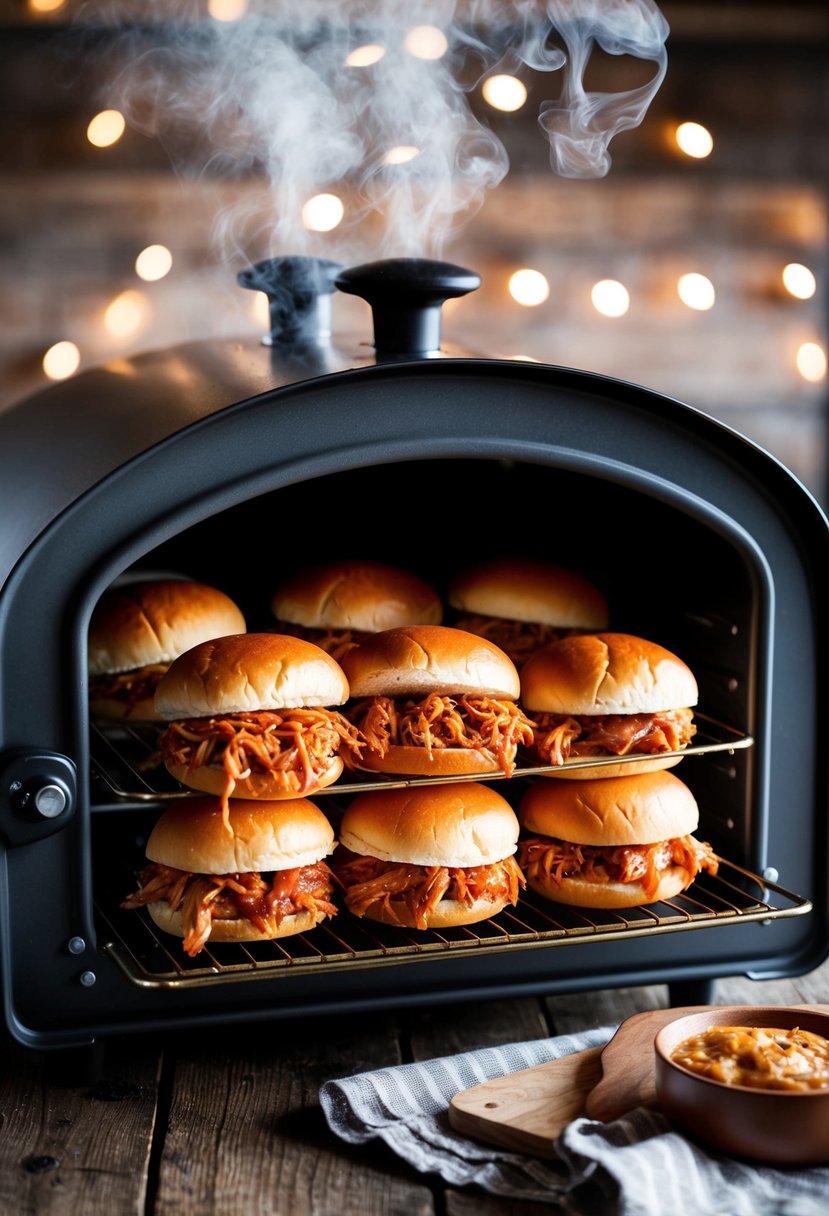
(783,1127)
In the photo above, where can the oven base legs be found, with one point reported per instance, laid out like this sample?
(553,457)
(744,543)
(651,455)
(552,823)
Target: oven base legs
(690,992)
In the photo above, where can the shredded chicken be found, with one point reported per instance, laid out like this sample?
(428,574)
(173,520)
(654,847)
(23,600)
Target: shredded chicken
(263,899)
(335,642)
(519,639)
(131,687)
(559,737)
(645,863)
(295,746)
(479,723)
(407,893)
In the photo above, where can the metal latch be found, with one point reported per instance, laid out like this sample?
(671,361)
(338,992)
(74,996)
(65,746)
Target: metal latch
(38,794)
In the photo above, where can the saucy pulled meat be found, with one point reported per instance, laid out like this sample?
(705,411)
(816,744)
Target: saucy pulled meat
(757,1057)
(643,863)
(560,737)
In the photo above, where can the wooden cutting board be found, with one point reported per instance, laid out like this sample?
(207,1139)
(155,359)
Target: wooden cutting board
(526,1111)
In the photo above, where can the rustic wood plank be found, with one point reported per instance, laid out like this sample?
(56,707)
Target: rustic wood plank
(474,1203)
(70,1149)
(448,1029)
(577,1011)
(246,1133)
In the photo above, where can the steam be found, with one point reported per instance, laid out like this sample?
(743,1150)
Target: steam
(271,92)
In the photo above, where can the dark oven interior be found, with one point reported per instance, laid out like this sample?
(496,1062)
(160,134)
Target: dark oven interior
(698,541)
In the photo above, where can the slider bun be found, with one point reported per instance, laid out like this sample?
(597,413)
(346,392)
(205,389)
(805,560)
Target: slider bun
(136,711)
(573,771)
(191,835)
(525,589)
(361,595)
(155,621)
(642,809)
(444,915)
(464,823)
(606,673)
(247,673)
(416,660)
(579,893)
(237,929)
(212,779)
(443,761)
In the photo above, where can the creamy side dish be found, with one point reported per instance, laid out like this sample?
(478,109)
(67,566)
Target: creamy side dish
(759,1057)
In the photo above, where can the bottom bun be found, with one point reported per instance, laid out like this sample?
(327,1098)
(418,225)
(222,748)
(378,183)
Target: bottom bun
(579,893)
(237,929)
(443,761)
(576,771)
(448,912)
(210,779)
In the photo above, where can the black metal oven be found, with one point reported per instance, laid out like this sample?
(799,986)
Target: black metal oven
(236,461)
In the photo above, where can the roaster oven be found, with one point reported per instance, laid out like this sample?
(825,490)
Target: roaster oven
(235,461)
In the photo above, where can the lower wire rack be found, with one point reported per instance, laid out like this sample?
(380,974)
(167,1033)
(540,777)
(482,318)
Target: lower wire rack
(151,959)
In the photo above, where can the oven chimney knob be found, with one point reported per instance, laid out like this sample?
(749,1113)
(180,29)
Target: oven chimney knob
(406,295)
(299,291)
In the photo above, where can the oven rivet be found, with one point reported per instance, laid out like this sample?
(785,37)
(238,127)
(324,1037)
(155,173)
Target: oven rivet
(771,874)
(76,945)
(88,978)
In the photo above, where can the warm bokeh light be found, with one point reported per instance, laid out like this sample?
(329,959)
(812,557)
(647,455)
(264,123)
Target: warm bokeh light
(127,313)
(426,42)
(227,10)
(45,6)
(153,263)
(106,128)
(799,281)
(401,154)
(694,139)
(504,92)
(61,360)
(322,212)
(696,291)
(811,362)
(260,310)
(528,287)
(365,56)
(610,297)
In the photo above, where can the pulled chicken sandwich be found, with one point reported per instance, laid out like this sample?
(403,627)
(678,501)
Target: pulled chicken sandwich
(608,694)
(612,843)
(435,701)
(264,879)
(249,717)
(429,856)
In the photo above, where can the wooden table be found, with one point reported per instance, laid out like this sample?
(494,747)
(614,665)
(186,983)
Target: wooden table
(228,1120)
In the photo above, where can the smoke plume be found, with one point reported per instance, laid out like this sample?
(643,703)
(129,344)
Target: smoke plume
(272,93)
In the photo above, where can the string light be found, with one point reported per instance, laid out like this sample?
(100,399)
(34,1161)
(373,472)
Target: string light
(260,309)
(106,128)
(426,42)
(45,6)
(811,361)
(153,263)
(127,313)
(799,281)
(400,155)
(694,140)
(61,360)
(506,93)
(528,287)
(322,212)
(365,56)
(696,291)
(227,10)
(610,297)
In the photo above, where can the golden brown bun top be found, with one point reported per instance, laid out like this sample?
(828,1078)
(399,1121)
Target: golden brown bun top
(362,595)
(155,621)
(249,672)
(463,823)
(606,673)
(420,659)
(191,835)
(611,810)
(526,589)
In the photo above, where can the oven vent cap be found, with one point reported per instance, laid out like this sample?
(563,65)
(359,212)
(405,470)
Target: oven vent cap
(405,296)
(299,291)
